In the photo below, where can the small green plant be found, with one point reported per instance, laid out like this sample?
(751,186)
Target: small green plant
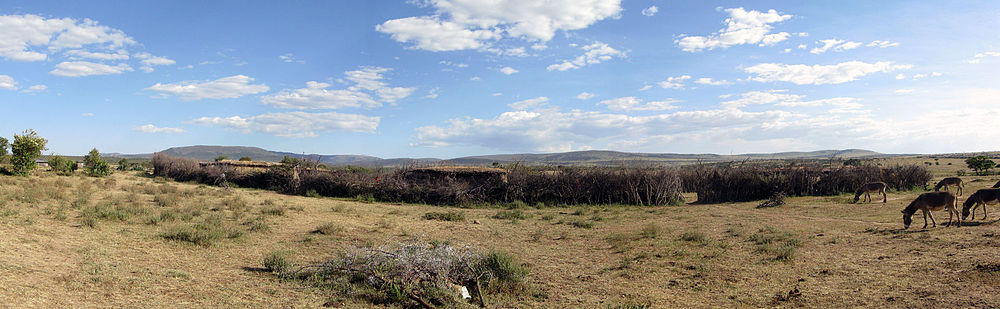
(365,198)
(445,216)
(650,230)
(694,236)
(277,262)
(328,228)
(24,150)
(583,224)
(273,210)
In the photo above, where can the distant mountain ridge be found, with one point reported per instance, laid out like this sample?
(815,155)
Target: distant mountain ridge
(585,158)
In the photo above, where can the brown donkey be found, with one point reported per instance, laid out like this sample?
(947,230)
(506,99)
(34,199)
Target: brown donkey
(932,201)
(948,182)
(868,188)
(982,197)
(997,185)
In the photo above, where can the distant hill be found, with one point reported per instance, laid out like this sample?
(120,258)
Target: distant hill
(604,157)
(579,158)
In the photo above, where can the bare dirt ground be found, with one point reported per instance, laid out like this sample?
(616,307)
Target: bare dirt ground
(812,252)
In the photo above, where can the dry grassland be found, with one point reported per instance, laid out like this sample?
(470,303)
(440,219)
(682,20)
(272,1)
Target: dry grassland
(133,241)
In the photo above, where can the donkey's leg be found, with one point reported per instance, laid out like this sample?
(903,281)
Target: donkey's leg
(929,214)
(884,197)
(925,218)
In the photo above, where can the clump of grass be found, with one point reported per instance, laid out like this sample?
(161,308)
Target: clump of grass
(166,200)
(258,225)
(273,210)
(548,217)
(770,242)
(278,262)
(694,236)
(328,228)
(365,198)
(205,233)
(114,211)
(445,216)
(650,231)
(515,214)
(583,224)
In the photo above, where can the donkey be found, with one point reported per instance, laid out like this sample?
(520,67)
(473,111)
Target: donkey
(982,197)
(868,188)
(932,201)
(997,185)
(948,182)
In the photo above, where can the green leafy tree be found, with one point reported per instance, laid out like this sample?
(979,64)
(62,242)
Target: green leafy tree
(980,164)
(220,158)
(852,162)
(96,167)
(62,166)
(3,149)
(26,148)
(246,159)
(123,164)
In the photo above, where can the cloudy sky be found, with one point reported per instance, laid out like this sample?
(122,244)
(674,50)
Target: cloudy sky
(448,78)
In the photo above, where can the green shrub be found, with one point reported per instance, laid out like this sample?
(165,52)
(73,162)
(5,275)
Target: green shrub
(445,216)
(26,148)
(328,229)
(581,224)
(277,262)
(96,167)
(694,236)
(204,233)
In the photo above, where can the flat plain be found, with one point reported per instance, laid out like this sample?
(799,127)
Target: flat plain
(120,241)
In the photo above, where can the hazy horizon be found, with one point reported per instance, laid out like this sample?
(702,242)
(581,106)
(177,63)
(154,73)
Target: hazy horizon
(454,78)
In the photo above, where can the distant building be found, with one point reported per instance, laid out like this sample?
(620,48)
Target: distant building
(41,163)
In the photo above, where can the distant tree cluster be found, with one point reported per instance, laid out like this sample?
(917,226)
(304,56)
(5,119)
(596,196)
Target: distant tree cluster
(980,164)
(96,167)
(26,147)
(62,166)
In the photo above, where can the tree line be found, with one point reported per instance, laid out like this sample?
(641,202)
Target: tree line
(27,147)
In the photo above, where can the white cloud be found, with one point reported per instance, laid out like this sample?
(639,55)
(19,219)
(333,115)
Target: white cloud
(7,82)
(593,54)
(121,54)
(463,24)
(882,44)
(539,46)
(903,91)
(432,94)
(784,99)
(475,78)
(674,82)
(290,58)
(316,95)
(742,27)
(453,64)
(87,114)
(709,81)
(149,61)
(223,88)
(802,74)
(979,56)
(553,130)
(585,95)
(34,88)
(650,11)
(836,45)
(900,76)
(529,103)
(497,94)
(85,68)
(627,104)
(149,128)
(26,37)
(646,87)
(294,124)
(368,90)
(508,70)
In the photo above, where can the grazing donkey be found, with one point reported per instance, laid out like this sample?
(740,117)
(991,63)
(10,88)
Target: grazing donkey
(868,188)
(932,201)
(948,182)
(982,197)
(997,185)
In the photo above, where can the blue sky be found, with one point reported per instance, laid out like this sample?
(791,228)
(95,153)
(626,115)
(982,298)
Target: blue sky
(448,78)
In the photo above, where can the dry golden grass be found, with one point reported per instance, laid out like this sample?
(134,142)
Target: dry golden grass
(833,253)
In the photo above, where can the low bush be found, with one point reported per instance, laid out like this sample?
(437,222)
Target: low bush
(445,216)
(413,274)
